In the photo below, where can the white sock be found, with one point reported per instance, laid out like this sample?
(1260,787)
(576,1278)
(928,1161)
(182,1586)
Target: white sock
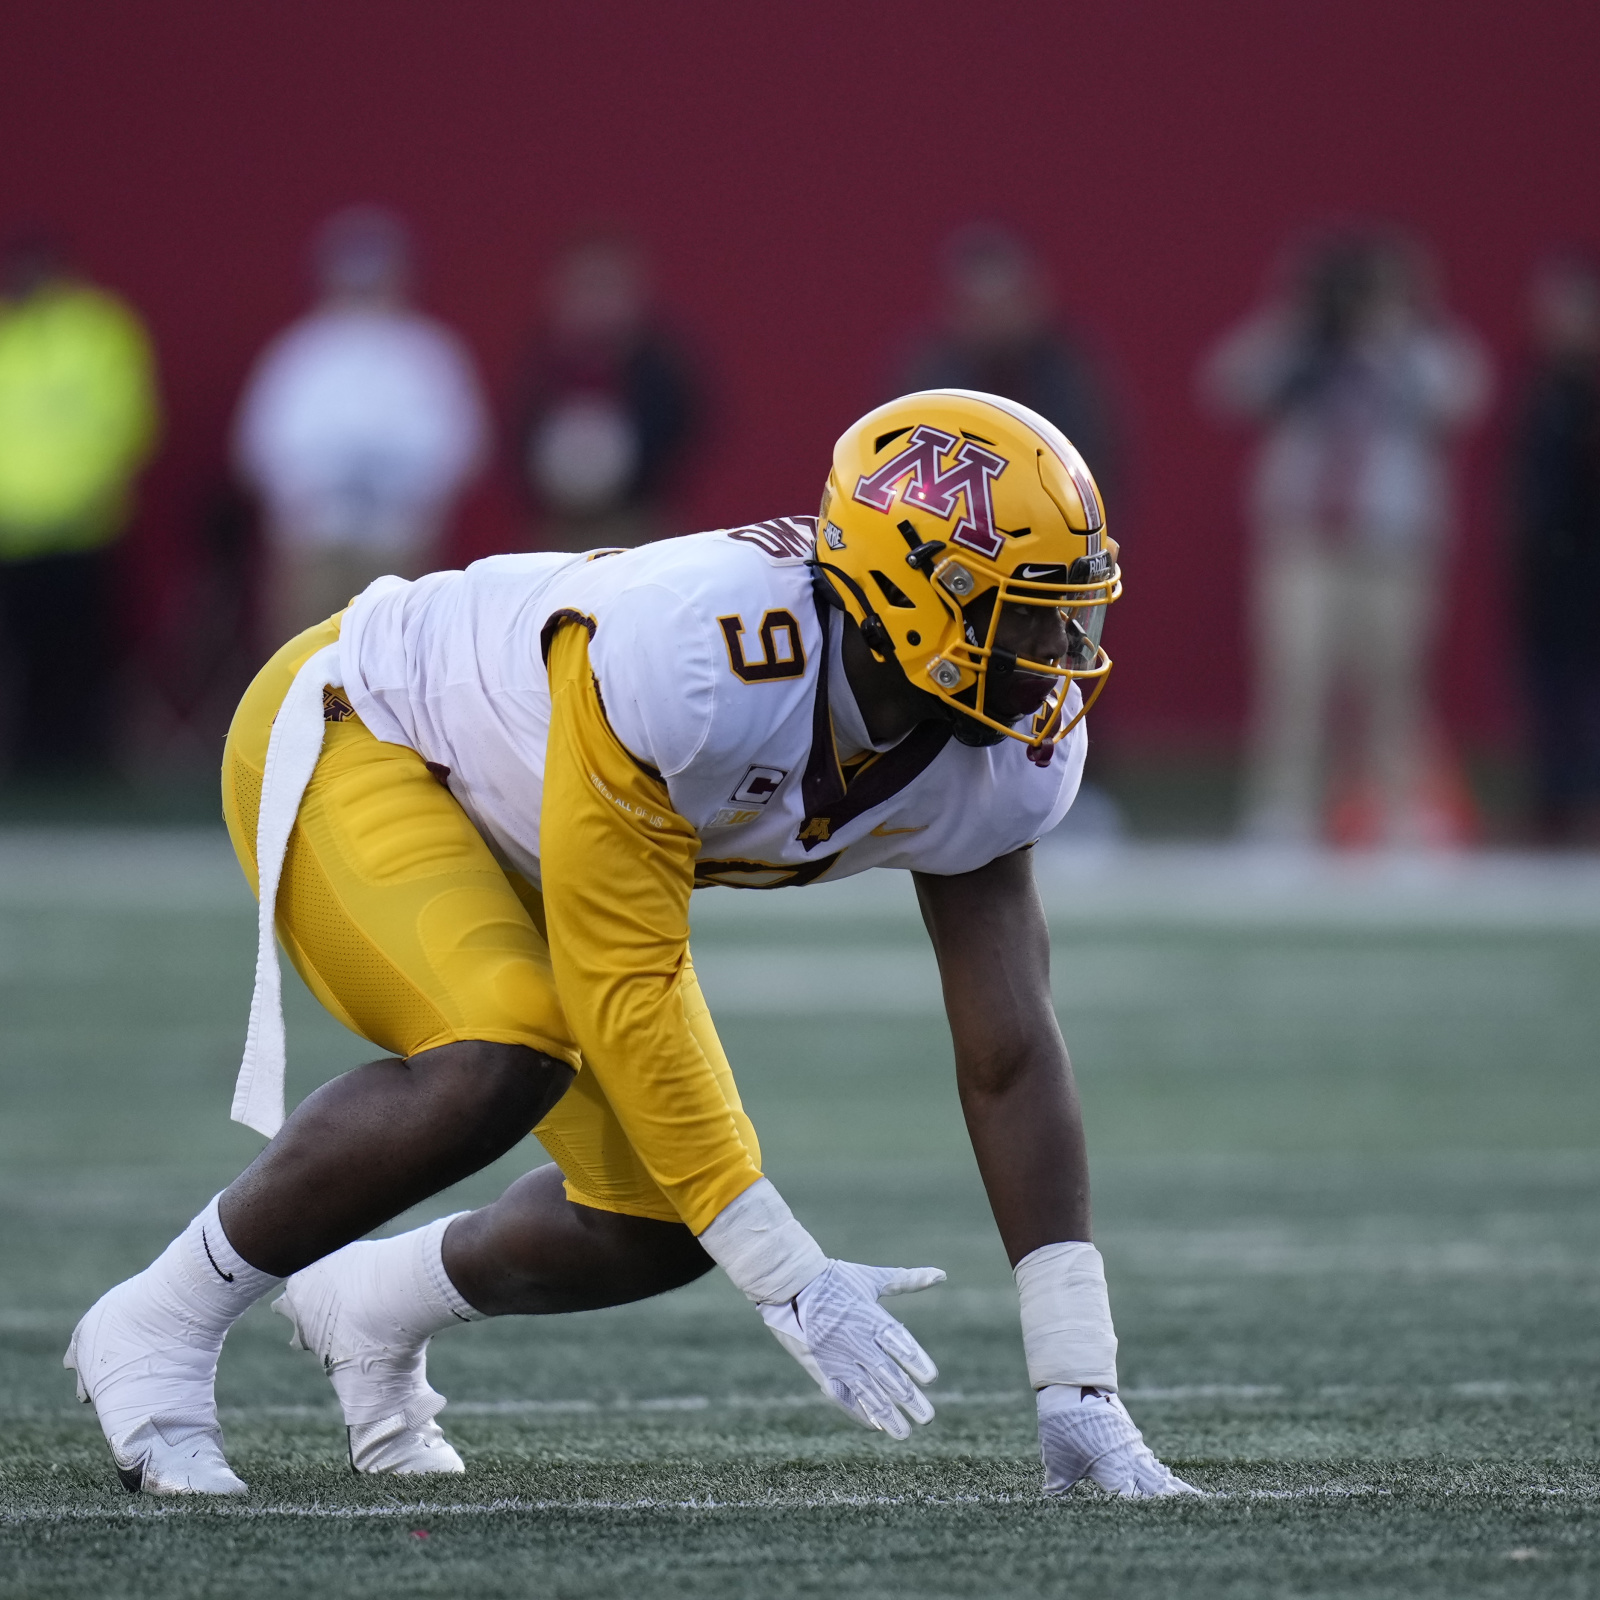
(402,1281)
(201,1279)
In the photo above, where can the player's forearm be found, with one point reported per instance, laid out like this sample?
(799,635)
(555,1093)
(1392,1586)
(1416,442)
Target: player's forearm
(1026,1129)
(989,931)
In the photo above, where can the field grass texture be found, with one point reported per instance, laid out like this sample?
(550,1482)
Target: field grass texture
(1345,1123)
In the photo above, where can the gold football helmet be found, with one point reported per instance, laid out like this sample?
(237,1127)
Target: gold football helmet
(945,507)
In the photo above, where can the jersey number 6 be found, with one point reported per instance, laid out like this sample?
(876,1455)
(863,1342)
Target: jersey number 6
(782,654)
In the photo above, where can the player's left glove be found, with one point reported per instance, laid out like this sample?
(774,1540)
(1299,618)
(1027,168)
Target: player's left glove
(1084,1429)
(826,1313)
(1087,1433)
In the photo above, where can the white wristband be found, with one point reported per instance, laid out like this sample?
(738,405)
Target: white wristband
(1066,1317)
(758,1243)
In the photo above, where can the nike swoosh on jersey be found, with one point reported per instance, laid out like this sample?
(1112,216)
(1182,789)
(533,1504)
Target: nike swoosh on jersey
(881,832)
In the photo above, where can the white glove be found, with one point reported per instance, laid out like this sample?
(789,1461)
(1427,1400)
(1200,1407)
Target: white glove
(826,1313)
(1084,1429)
(838,1332)
(1087,1433)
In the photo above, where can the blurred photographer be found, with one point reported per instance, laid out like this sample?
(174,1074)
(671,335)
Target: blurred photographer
(1358,383)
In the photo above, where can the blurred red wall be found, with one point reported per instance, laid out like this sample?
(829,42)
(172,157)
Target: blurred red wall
(793,166)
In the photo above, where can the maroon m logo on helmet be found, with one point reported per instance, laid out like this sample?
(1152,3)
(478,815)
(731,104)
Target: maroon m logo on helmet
(966,478)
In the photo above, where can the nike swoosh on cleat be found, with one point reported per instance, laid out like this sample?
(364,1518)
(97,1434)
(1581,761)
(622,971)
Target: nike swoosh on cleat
(132,1477)
(227,1277)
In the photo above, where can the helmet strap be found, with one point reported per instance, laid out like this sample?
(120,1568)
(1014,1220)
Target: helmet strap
(872,625)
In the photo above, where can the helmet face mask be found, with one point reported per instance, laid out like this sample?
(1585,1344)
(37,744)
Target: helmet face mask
(950,517)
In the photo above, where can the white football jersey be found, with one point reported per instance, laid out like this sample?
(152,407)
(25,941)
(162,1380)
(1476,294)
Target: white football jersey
(719,670)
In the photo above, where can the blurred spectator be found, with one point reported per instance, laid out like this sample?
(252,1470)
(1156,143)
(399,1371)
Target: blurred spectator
(1556,524)
(1358,382)
(1000,335)
(609,406)
(358,429)
(78,418)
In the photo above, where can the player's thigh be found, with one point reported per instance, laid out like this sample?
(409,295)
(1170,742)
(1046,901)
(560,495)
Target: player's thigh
(391,906)
(586,1139)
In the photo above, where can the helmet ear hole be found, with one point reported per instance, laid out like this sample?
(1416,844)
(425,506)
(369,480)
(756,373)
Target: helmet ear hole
(892,592)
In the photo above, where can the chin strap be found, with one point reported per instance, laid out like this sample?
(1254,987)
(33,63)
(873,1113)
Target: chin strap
(871,624)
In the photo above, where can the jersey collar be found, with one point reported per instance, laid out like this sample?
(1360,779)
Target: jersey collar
(833,796)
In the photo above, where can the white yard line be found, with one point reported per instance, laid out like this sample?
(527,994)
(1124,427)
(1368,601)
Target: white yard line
(221,1507)
(136,1510)
(1002,1399)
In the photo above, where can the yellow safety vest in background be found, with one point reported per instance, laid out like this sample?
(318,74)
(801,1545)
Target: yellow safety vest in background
(78,417)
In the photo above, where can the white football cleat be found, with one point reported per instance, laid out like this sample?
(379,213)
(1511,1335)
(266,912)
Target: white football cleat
(1089,1434)
(378,1369)
(151,1377)
(400,1444)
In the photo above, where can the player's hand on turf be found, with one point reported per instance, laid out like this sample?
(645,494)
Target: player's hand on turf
(1087,1433)
(859,1355)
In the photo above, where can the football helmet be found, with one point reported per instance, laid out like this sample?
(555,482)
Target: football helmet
(942,509)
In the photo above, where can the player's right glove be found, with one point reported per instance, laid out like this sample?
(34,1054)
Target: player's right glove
(826,1313)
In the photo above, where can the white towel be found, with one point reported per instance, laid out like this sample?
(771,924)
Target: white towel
(292,753)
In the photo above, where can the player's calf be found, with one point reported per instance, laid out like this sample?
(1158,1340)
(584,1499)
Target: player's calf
(534,1252)
(377,1140)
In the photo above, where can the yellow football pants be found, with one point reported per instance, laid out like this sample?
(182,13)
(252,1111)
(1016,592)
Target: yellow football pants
(405,927)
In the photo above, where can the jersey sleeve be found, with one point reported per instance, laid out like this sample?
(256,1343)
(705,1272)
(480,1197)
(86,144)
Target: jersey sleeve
(618,866)
(652,657)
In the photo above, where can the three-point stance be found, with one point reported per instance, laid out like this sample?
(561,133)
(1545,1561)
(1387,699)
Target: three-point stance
(474,808)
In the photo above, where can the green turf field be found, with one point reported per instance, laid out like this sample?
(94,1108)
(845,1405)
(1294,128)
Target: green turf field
(1346,1130)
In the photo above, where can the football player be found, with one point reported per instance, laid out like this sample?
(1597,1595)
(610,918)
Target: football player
(473,808)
